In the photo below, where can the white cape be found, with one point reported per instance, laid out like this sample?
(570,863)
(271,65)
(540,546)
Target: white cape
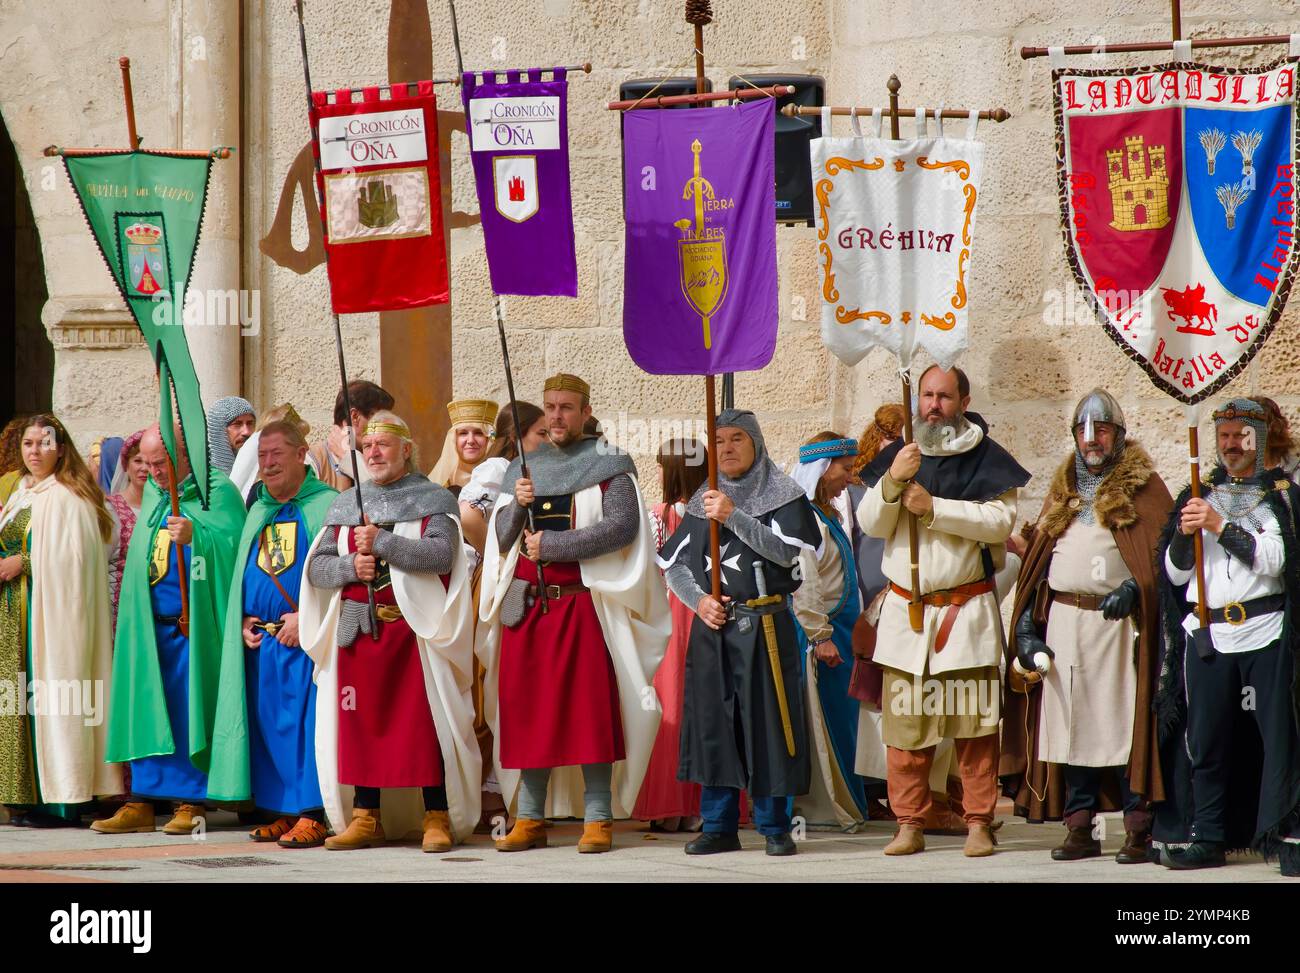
(442,623)
(72,647)
(632,606)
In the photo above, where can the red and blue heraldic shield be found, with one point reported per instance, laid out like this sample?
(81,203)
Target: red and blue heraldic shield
(1177,187)
(381,198)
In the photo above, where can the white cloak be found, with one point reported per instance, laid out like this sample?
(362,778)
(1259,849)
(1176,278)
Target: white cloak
(441,620)
(632,606)
(72,646)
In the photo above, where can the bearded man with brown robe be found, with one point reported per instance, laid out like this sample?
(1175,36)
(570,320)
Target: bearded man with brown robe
(1079,733)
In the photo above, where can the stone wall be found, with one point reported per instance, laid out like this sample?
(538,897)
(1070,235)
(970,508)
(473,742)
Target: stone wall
(61,83)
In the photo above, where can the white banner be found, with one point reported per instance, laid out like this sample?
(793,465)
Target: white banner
(895,222)
(529,123)
(372,138)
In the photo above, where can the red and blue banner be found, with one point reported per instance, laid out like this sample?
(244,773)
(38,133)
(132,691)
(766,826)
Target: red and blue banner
(1177,190)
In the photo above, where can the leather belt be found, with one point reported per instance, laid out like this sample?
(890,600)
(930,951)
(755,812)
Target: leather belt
(950,598)
(554,591)
(1088,603)
(770,605)
(1236,612)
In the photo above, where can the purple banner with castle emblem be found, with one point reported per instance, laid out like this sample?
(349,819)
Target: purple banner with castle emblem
(699,272)
(1177,190)
(519,142)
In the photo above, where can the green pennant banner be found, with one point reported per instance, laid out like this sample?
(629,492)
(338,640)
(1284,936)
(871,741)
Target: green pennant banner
(145,210)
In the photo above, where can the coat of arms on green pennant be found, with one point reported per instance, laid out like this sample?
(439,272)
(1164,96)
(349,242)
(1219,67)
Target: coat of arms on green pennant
(145,211)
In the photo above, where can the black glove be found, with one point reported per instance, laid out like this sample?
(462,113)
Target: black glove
(1238,542)
(1121,601)
(1181,551)
(1028,644)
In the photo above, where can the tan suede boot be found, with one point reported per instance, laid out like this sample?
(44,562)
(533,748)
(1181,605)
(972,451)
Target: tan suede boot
(979,841)
(364,831)
(527,833)
(134,817)
(909,840)
(437,831)
(185,820)
(597,836)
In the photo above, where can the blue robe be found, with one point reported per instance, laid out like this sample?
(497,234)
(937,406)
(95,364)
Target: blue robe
(171,775)
(839,709)
(277,678)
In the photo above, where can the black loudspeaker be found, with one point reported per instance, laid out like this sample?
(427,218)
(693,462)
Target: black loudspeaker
(642,87)
(794,192)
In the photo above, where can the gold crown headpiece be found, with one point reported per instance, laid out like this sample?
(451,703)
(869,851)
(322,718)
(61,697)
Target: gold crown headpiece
(473,410)
(397,429)
(564,382)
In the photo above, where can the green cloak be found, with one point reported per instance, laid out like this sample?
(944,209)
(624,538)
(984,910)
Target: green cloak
(138,725)
(229,775)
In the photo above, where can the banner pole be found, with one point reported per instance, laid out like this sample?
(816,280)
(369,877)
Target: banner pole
(519,442)
(698,18)
(132,138)
(915,608)
(183,623)
(338,330)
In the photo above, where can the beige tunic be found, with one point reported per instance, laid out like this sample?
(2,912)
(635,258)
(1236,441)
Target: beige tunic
(1086,717)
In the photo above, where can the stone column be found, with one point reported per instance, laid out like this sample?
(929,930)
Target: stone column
(205,107)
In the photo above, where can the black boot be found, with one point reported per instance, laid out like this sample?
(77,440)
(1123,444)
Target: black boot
(711,843)
(1079,843)
(1136,850)
(1199,854)
(781,844)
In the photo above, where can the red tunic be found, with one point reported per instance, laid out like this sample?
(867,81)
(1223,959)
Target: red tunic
(558,693)
(662,794)
(387,737)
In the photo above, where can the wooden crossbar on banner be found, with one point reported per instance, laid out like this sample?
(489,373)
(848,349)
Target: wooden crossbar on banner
(700,97)
(986,114)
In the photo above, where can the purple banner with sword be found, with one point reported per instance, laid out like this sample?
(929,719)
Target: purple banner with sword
(700,288)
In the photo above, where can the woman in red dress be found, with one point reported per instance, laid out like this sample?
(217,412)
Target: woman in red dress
(667,803)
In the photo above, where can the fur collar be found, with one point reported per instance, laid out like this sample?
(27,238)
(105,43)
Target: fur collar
(1114,505)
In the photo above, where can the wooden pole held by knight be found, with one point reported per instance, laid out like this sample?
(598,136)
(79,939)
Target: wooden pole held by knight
(915,607)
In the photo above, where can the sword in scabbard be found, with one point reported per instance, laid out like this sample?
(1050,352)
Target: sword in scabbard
(773,657)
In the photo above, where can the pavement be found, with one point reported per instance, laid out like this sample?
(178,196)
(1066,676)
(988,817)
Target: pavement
(224,853)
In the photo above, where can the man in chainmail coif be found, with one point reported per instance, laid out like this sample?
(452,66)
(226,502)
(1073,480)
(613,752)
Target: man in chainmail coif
(1081,740)
(1241,790)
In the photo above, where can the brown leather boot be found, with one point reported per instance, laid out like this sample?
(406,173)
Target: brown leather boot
(437,831)
(1079,843)
(186,819)
(527,833)
(597,836)
(908,841)
(979,841)
(134,817)
(365,830)
(1136,847)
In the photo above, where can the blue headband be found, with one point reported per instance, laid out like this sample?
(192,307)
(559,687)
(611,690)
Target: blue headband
(828,450)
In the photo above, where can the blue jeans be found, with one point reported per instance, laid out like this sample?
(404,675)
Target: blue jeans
(720,809)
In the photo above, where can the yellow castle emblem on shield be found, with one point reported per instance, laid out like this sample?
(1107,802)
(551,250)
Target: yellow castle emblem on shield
(1140,198)
(702,252)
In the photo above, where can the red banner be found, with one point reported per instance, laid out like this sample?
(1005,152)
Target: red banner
(382,199)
